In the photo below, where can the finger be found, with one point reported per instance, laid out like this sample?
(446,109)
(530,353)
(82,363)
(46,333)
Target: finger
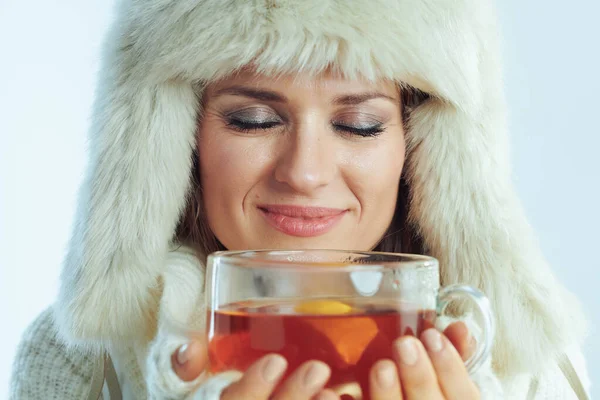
(383,381)
(451,372)
(190,360)
(417,376)
(308,380)
(461,339)
(259,381)
(327,394)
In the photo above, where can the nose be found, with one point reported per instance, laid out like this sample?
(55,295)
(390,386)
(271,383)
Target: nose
(307,163)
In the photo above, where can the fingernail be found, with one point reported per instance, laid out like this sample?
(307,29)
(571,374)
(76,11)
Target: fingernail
(316,376)
(472,345)
(386,374)
(324,396)
(183,354)
(274,368)
(433,340)
(407,350)
(472,342)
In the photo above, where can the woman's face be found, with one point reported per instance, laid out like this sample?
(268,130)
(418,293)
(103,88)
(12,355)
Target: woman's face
(298,162)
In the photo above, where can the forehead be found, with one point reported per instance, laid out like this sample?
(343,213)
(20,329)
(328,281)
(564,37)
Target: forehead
(324,82)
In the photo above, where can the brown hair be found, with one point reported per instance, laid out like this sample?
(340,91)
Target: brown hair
(400,237)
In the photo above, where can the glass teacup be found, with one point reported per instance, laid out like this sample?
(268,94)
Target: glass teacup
(341,307)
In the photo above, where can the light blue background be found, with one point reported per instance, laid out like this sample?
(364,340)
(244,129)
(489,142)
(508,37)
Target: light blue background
(49,55)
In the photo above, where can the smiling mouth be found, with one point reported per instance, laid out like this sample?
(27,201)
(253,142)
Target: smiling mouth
(302,221)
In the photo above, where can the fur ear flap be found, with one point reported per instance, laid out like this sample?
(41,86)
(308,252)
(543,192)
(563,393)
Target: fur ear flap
(141,147)
(470,219)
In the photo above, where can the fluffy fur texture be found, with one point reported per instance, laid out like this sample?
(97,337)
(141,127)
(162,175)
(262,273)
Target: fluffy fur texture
(464,205)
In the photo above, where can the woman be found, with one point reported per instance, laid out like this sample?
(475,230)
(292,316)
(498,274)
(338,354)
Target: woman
(238,124)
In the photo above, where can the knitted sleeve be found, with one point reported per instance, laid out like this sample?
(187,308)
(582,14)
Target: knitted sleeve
(43,368)
(552,384)
(182,302)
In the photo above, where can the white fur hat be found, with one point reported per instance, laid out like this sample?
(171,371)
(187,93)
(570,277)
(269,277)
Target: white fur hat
(143,132)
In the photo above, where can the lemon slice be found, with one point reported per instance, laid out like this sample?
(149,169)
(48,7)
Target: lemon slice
(349,336)
(323,307)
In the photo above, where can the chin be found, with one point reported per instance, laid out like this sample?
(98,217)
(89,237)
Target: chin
(297,243)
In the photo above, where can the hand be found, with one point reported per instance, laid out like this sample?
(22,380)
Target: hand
(430,369)
(435,375)
(260,380)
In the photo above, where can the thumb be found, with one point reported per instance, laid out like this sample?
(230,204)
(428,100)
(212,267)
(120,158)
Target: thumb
(190,360)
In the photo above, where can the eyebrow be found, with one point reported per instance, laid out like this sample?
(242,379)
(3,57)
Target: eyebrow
(258,94)
(354,99)
(268,95)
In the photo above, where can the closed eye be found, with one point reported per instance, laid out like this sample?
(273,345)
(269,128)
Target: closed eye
(247,126)
(368,131)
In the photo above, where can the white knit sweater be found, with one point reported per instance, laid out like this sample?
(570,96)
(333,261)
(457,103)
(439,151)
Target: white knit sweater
(45,368)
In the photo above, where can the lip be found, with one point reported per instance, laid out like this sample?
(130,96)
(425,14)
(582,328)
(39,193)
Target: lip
(302,221)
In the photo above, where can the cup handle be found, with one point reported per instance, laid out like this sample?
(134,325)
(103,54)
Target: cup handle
(484,344)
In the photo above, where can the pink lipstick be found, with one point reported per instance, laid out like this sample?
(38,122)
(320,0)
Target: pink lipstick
(302,221)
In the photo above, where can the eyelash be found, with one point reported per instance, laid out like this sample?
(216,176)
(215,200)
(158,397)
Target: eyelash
(248,127)
(371,131)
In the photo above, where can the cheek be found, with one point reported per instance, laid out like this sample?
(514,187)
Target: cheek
(220,182)
(374,175)
(230,166)
(217,167)
(374,179)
